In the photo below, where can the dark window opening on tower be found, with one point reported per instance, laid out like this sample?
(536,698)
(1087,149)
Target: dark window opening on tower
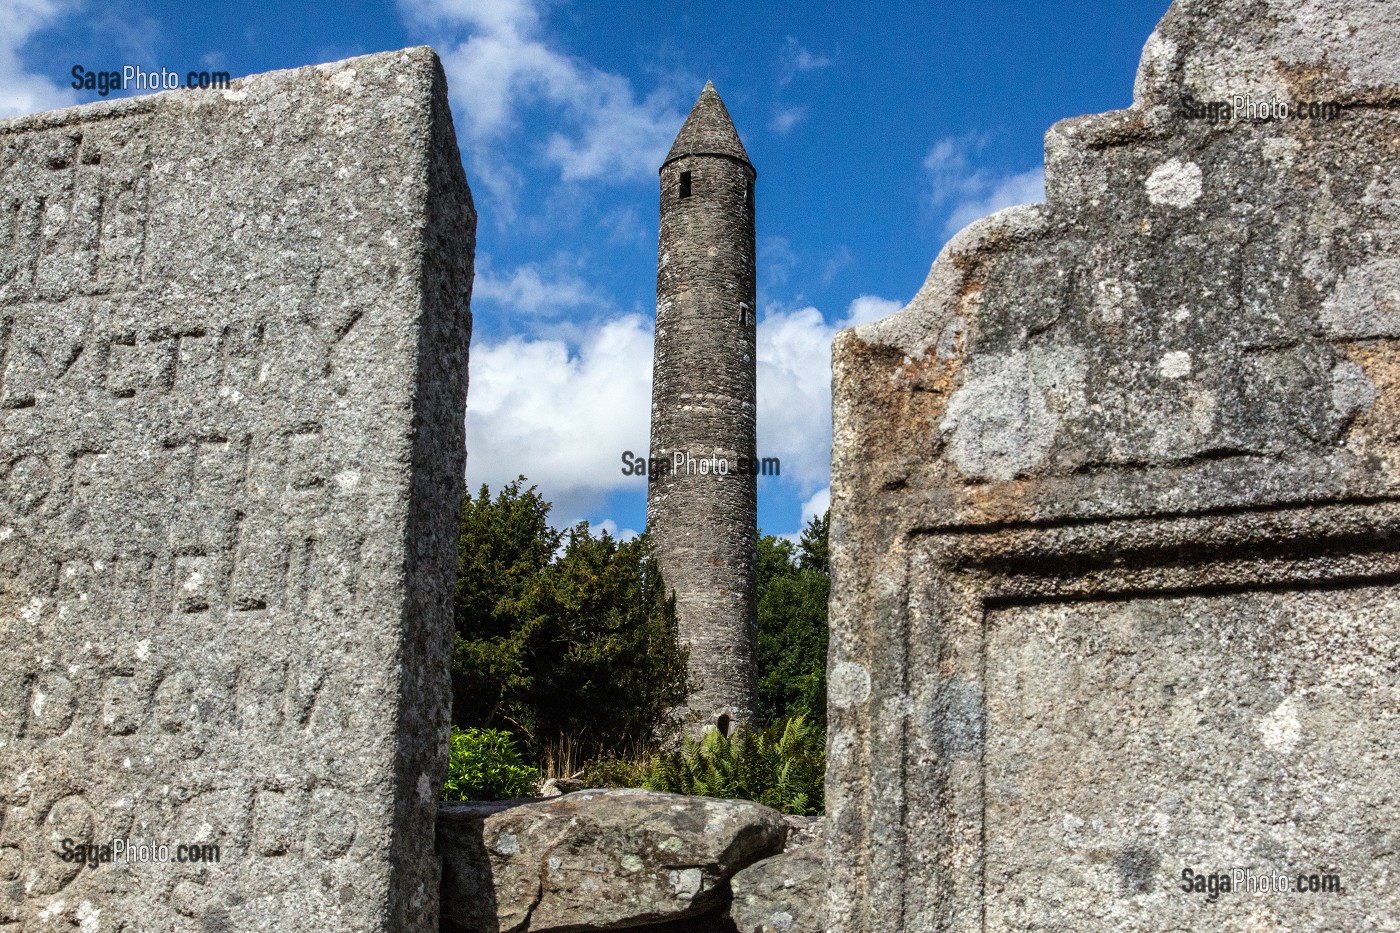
(745,315)
(722,724)
(748,196)
(685,184)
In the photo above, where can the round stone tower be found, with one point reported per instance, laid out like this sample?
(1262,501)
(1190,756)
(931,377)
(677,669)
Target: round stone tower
(702,498)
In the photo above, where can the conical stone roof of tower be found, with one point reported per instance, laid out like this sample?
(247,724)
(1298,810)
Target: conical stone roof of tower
(708,131)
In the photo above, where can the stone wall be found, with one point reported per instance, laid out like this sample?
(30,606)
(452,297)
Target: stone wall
(233,331)
(1116,501)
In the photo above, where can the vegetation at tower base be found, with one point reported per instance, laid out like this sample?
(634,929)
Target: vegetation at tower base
(565,639)
(793,584)
(782,766)
(560,633)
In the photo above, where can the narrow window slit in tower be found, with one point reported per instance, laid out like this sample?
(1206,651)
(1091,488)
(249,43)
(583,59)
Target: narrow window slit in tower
(685,184)
(748,196)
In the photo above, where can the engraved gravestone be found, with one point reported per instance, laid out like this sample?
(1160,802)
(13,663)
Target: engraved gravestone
(233,331)
(1116,517)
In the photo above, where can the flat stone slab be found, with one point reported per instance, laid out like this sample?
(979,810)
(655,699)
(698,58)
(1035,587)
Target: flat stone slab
(595,859)
(233,346)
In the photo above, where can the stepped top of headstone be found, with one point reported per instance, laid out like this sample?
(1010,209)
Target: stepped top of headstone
(1120,489)
(1193,291)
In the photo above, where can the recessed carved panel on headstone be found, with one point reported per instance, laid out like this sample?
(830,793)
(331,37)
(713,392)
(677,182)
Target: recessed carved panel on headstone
(1116,519)
(233,331)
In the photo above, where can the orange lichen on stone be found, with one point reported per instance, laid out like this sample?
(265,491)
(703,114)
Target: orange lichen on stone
(1379,425)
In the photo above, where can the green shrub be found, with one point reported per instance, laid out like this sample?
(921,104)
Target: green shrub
(783,767)
(484,764)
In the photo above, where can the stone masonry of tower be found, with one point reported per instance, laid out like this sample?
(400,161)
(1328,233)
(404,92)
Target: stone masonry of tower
(702,505)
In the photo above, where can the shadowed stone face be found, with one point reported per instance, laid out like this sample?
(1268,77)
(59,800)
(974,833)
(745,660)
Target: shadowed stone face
(233,331)
(702,507)
(1115,510)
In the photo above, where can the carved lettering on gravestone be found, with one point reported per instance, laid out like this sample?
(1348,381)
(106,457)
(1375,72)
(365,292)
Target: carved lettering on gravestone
(224,562)
(78,224)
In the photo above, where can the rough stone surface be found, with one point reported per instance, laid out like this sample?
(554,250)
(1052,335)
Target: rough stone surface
(1115,514)
(233,330)
(783,894)
(595,859)
(703,512)
(804,830)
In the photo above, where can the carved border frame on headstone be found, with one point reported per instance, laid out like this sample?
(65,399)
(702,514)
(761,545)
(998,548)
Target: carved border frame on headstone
(935,719)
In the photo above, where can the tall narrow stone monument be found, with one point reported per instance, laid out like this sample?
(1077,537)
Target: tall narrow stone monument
(702,500)
(1116,517)
(233,347)
(702,503)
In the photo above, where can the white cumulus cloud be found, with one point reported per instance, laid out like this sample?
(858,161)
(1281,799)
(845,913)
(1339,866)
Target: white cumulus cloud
(794,387)
(795,59)
(967,192)
(610,526)
(560,415)
(500,60)
(785,118)
(816,505)
(531,291)
(22,90)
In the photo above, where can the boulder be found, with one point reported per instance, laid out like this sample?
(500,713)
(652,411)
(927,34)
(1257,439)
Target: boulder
(559,786)
(595,859)
(783,894)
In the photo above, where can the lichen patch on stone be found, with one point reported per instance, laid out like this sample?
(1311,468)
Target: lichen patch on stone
(1175,365)
(1175,183)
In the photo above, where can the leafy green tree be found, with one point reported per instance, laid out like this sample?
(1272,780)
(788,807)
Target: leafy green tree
(560,633)
(503,546)
(776,557)
(812,552)
(614,669)
(793,586)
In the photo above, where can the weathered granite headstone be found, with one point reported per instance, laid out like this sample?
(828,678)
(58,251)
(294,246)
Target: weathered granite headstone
(233,332)
(1116,516)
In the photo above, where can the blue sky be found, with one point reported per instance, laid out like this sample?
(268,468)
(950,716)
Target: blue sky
(877,132)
